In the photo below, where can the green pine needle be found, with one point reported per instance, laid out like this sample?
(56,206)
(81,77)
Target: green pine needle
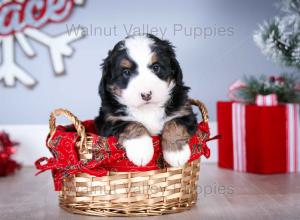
(283,86)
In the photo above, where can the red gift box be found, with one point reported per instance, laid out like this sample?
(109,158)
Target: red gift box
(259,139)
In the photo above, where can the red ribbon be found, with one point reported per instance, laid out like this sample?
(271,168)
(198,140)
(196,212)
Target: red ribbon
(62,168)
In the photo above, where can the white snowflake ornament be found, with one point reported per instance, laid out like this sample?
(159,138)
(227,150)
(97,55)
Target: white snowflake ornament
(12,33)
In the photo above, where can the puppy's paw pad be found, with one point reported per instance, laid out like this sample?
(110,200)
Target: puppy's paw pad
(139,150)
(178,158)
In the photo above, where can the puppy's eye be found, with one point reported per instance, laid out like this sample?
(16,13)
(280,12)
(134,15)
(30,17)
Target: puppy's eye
(126,73)
(155,68)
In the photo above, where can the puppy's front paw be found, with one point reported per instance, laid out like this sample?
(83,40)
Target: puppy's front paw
(177,158)
(139,150)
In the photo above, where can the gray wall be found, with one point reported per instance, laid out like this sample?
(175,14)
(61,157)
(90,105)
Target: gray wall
(210,64)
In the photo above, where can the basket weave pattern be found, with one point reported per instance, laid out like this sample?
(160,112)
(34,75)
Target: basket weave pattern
(154,192)
(127,194)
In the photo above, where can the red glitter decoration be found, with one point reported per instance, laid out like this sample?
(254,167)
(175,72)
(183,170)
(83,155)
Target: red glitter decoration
(7,149)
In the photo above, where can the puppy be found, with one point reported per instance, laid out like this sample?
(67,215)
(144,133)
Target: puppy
(143,94)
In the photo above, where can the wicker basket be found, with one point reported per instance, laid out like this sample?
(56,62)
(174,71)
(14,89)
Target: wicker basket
(155,192)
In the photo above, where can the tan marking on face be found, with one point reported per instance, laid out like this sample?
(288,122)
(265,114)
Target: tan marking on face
(115,90)
(125,63)
(169,81)
(154,58)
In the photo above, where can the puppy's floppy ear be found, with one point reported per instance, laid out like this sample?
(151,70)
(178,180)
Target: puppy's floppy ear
(169,49)
(106,68)
(176,70)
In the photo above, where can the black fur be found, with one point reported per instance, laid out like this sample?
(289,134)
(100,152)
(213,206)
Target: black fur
(170,70)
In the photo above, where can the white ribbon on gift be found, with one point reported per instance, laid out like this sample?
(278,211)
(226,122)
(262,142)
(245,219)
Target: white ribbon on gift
(239,136)
(292,134)
(266,100)
(293,137)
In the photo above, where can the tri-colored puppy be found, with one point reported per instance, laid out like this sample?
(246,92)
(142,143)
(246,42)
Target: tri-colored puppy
(143,94)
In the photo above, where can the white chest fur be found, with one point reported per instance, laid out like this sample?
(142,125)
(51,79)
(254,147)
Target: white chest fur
(151,116)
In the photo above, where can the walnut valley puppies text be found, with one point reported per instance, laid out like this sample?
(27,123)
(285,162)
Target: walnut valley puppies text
(180,30)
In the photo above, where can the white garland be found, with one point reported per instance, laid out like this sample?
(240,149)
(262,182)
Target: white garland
(288,28)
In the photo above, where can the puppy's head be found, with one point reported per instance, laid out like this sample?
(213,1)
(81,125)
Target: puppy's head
(140,71)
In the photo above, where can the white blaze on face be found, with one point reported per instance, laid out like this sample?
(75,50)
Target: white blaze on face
(139,50)
(151,114)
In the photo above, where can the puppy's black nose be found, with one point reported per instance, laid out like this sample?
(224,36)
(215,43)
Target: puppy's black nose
(146,96)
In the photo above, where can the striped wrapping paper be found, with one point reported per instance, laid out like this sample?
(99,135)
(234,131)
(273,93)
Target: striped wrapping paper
(292,133)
